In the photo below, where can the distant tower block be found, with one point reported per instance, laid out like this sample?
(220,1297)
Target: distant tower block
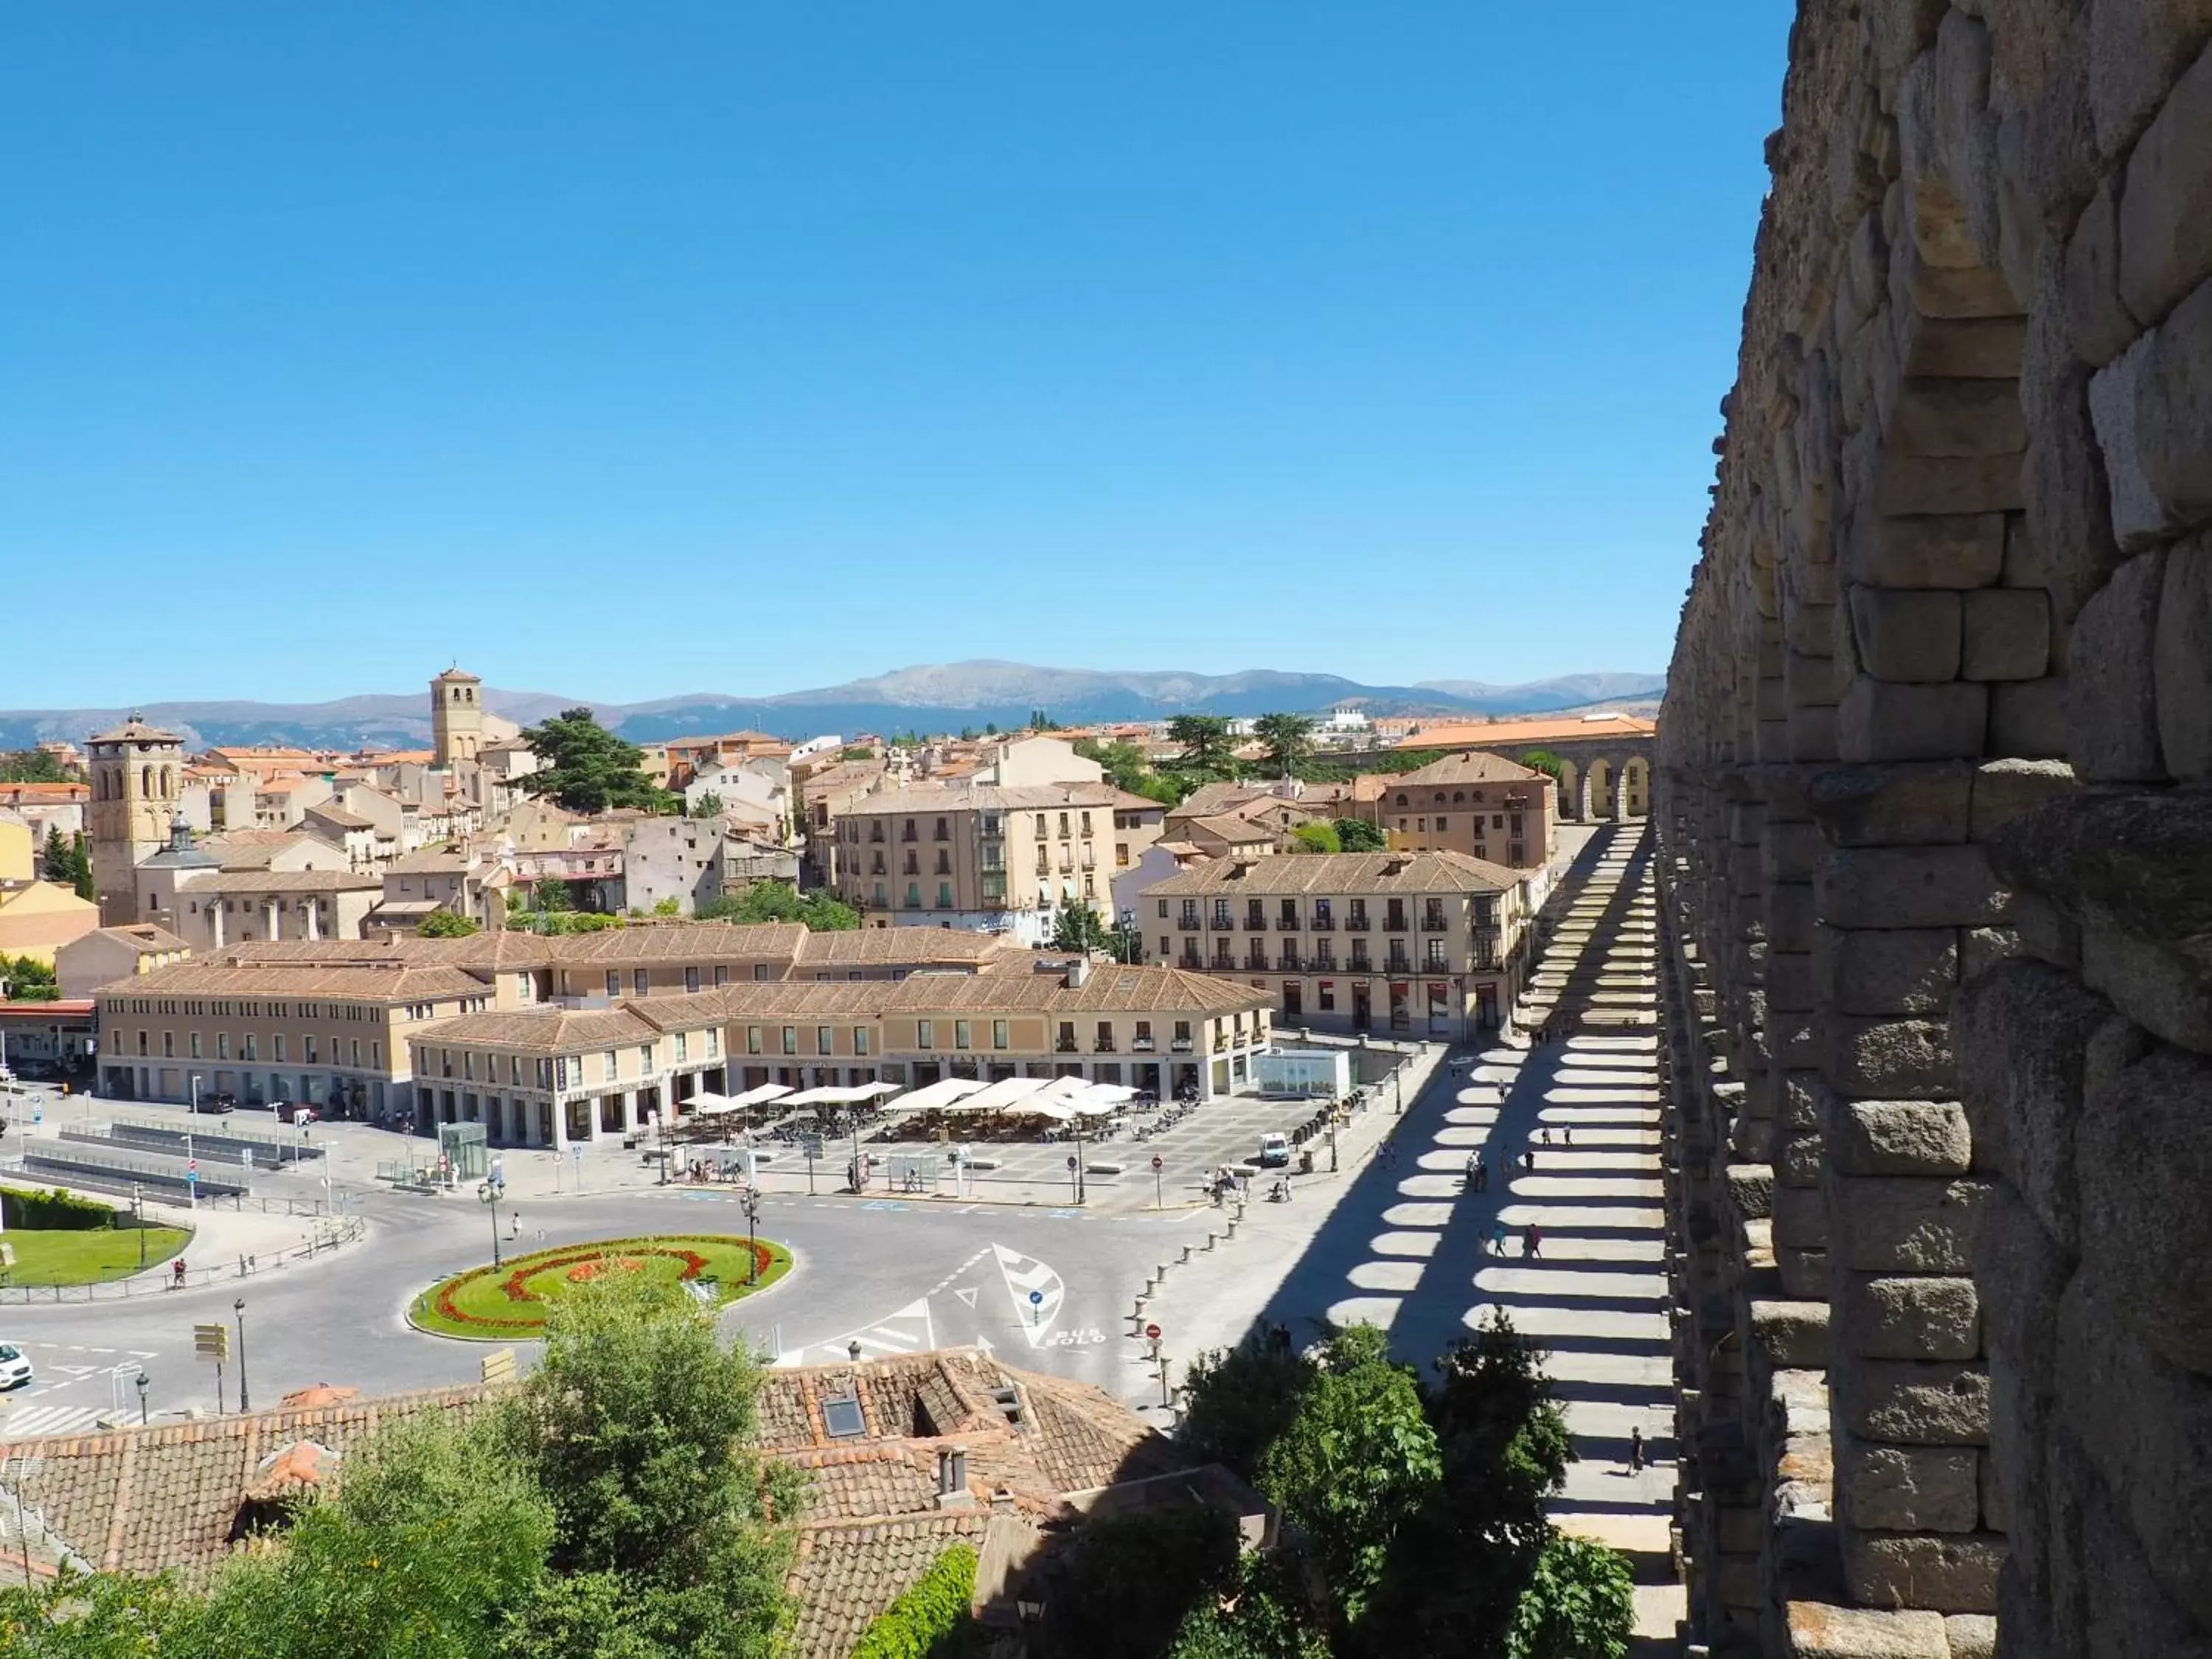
(456,716)
(138,771)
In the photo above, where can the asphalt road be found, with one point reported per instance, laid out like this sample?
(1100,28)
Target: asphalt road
(1050,1288)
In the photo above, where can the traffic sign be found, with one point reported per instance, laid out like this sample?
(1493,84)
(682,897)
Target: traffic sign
(1158,1163)
(1070,1160)
(1035,1296)
(212,1342)
(192,1164)
(810,1146)
(1152,1333)
(497,1366)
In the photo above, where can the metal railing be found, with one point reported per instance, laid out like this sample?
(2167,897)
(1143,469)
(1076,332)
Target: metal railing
(165,1132)
(331,1233)
(84,1149)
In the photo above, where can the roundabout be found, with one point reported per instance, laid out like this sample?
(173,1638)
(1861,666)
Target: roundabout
(509,1302)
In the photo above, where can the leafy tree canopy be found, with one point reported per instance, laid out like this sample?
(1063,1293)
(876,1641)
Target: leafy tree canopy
(445,924)
(708,805)
(1289,739)
(1358,835)
(1543,760)
(33,766)
(28,979)
(67,862)
(1077,927)
(587,768)
(773,901)
(1207,744)
(1319,837)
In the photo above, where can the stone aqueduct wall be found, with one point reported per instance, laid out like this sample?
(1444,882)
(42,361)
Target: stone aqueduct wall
(1936,846)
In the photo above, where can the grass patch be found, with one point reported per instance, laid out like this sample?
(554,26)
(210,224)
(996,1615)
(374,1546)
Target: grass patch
(81,1256)
(508,1301)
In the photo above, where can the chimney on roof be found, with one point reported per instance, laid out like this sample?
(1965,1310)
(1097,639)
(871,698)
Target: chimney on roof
(1078,972)
(952,1478)
(1399,864)
(1240,869)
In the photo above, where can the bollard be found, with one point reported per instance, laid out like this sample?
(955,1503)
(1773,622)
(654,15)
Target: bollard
(1185,1253)
(1211,1239)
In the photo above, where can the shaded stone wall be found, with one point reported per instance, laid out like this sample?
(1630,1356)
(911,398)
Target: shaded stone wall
(1937,863)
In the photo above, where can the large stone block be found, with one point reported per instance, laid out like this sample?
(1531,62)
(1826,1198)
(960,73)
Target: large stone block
(1818,1631)
(2161,986)
(2028,718)
(2147,1428)
(2182,668)
(2100,323)
(1893,806)
(1961,551)
(1905,1223)
(1907,1488)
(1972,1635)
(2112,700)
(1910,1317)
(2007,634)
(2146,1199)
(1906,633)
(1898,1138)
(2136,51)
(1789,917)
(1890,1059)
(1910,1403)
(2008,789)
(1958,418)
(1912,970)
(1883,720)
(1976,348)
(2022,1033)
(1948,1572)
(1909,887)
(2173,412)
(1801,1218)
(2141,859)
(2166,210)
(1791,1336)
(2139,519)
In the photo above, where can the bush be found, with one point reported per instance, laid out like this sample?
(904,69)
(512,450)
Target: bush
(1319,837)
(1127,1583)
(55,1212)
(931,1620)
(1580,1604)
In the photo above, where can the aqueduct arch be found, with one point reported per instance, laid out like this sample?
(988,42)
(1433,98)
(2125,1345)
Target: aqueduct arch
(1940,1042)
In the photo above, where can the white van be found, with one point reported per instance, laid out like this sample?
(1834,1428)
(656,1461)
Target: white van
(1274,1151)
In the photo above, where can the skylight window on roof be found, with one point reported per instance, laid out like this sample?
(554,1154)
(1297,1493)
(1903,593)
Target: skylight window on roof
(842,1417)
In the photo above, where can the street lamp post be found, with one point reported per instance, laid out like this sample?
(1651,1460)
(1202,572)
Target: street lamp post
(143,1383)
(487,1194)
(752,1231)
(239,1308)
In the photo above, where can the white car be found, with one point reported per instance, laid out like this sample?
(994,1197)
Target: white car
(14,1366)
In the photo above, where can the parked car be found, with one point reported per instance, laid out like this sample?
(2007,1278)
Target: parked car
(14,1366)
(224,1098)
(1274,1151)
(214,1105)
(295,1111)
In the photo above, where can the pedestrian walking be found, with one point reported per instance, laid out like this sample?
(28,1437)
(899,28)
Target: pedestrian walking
(1536,1241)
(1529,1160)
(1635,1451)
(1545,1135)
(514,1225)
(177,1274)
(1566,1136)
(1497,1239)
(1529,1244)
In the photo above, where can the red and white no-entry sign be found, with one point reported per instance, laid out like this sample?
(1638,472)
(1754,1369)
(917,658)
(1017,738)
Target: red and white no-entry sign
(1152,1333)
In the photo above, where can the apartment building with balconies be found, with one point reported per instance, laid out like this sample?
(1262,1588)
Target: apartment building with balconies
(1429,945)
(989,858)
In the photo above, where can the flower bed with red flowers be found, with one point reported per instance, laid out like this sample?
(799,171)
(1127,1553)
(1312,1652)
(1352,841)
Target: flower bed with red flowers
(510,1300)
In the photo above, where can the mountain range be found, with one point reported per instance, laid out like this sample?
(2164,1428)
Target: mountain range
(935,697)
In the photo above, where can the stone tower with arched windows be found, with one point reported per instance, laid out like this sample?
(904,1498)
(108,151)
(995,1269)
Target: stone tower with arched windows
(138,771)
(456,716)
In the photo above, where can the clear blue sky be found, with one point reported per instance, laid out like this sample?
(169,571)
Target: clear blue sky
(631,350)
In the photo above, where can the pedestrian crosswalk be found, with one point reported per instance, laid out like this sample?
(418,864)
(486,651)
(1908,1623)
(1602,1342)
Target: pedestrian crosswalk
(35,1422)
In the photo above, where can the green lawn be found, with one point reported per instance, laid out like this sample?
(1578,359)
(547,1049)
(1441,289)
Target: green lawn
(506,1302)
(82,1257)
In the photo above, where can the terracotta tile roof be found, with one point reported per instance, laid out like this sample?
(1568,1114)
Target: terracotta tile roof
(1472,766)
(1108,989)
(921,800)
(339,816)
(366,981)
(428,861)
(144,936)
(1225,827)
(882,945)
(847,1578)
(1329,873)
(23,794)
(1485,734)
(549,1030)
(286,881)
(134,730)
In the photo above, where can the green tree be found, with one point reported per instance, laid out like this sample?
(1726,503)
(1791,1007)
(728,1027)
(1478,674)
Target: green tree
(1127,1582)
(932,1619)
(1319,837)
(433,1547)
(774,901)
(1207,745)
(1077,927)
(1239,1401)
(1358,835)
(1580,1603)
(638,1426)
(587,768)
(708,805)
(1264,1620)
(1357,1465)
(668,907)
(1543,760)
(1289,739)
(860,752)
(990,728)
(82,859)
(28,979)
(551,896)
(447,923)
(33,766)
